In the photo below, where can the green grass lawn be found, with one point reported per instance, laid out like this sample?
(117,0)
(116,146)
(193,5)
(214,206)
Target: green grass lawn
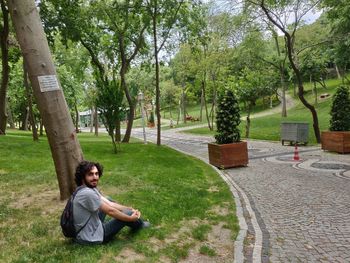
(181,196)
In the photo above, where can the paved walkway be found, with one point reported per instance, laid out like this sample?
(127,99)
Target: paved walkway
(289,211)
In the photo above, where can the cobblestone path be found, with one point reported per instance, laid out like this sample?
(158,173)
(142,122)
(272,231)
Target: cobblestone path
(289,211)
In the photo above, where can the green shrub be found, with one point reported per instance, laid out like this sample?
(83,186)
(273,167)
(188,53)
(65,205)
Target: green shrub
(227,118)
(340,110)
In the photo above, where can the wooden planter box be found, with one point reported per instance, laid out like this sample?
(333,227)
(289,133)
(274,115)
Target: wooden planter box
(336,141)
(228,155)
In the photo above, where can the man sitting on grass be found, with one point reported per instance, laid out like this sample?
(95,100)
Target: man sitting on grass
(90,208)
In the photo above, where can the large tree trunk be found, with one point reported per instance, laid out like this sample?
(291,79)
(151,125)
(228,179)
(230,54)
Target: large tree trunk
(5,66)
(30,103)
(65,148)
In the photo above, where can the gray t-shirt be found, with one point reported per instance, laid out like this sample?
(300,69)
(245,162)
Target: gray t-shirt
(86,205)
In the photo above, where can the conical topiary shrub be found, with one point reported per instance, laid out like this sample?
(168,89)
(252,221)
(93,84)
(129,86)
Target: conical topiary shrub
(340,110)
(228,151)
(227,119)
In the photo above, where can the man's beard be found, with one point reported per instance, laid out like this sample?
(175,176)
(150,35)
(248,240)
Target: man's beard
(89,185)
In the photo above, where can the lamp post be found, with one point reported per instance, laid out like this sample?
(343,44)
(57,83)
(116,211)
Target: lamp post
(140,98)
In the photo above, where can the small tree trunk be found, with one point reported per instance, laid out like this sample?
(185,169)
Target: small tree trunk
(184,102)
(92,114)
(65,148)
(10,115)
(179,112)
(4,33)
(130,102)
(202,106)
(206,106)
(25,117)
(155,45)
(247,126)
(117,131)
(337,71)
(315,92)
(96,121)
(77,117)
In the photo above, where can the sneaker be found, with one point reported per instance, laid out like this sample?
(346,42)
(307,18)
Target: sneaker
(146,224)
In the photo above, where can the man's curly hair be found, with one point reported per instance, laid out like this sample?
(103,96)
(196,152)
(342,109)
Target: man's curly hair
(83,168)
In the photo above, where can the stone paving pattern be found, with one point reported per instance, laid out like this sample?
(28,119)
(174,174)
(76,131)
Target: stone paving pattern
(303,211)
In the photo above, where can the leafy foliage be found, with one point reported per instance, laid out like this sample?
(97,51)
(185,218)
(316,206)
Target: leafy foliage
(109,102)
(227,119)
(340,110)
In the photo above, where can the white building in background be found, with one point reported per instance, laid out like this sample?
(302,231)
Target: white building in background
(86,119)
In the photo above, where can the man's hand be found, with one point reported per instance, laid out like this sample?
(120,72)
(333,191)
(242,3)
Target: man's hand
(136,214)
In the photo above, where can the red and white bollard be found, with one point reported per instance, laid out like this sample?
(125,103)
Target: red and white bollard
(296,153)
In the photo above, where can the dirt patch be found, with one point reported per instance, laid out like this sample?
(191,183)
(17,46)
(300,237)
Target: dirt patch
(220,241)
(220,210)
(45,199)
(213,189)
(129,255)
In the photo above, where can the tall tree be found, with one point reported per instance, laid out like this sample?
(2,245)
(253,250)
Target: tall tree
(65,148)
(129,33)
(278,14)
(164,15)
(4,34)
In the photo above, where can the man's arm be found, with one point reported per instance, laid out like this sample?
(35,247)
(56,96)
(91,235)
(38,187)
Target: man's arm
(110,209)
(116,205)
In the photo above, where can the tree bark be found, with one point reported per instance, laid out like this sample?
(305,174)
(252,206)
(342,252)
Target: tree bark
(5,66)
(65,148)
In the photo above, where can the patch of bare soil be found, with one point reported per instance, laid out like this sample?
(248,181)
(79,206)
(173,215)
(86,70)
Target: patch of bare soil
(45,199)
(128,255)
(220,241)
(219,210)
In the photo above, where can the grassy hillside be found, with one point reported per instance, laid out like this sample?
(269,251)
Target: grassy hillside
(268,127)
